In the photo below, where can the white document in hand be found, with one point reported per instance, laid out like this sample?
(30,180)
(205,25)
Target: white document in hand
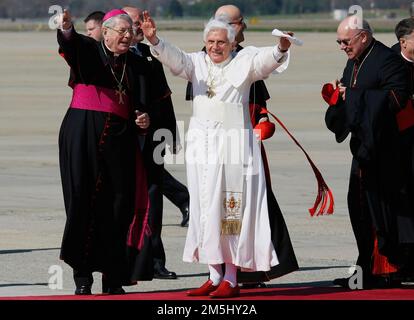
(294,40)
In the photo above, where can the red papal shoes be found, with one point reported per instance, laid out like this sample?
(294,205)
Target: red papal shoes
(204,290)
(225,290)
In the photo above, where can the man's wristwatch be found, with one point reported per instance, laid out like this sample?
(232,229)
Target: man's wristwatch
(282,51)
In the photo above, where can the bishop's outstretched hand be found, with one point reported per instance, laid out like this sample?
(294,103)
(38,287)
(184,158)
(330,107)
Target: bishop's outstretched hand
(65,20)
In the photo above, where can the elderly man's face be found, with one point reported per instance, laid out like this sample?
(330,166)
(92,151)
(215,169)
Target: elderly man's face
(407,46)
(218,46)
(94,29)
(236,20)
(118,39)
(352,41)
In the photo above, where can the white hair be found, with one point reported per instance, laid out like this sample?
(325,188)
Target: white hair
(219,23)
(111,22)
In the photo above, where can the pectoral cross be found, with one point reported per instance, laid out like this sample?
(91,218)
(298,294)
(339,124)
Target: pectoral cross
(210,93)
(120,92)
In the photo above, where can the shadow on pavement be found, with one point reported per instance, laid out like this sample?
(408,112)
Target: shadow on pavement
(322,268)
(192,275)
(22,284)
(26,250)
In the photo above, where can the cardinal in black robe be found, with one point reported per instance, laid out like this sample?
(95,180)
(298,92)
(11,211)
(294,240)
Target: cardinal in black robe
(373,90)
(404,32)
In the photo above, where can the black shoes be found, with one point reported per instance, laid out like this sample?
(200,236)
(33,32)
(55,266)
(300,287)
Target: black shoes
(110,288)
(83,290)
(186,216)
(113,290)
(107,287)
(163,273)
(86,290)
(253,285)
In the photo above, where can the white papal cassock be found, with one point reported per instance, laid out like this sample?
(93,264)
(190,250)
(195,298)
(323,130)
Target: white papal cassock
(229,220)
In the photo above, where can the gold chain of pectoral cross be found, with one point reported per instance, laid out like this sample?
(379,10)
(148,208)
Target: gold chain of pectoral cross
(121,91)
(210,82)
(354,75)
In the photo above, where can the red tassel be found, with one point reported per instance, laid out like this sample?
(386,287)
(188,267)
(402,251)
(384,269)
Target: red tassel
(331,202)
(324,195)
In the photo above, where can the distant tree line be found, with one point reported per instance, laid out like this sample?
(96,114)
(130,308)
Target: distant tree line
(269,7)
(199,8)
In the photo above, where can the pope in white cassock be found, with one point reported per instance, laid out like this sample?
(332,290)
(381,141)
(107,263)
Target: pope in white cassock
(229,222)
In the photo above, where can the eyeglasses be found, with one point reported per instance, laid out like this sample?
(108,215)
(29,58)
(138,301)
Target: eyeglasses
(241,21)
(139,21)
(408,38)
(123,32)
(219,43)
(348,42)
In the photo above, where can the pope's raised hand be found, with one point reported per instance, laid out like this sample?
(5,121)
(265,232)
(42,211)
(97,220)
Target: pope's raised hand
(284,42)
(149,29)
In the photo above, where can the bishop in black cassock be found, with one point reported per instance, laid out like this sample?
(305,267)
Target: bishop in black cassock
(374,89)
(103,180)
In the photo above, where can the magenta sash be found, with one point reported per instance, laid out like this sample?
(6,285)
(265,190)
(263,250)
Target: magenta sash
(90,97)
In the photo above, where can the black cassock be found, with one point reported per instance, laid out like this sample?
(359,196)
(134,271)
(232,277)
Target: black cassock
(377,89)
(162,117)
(406,219)
(279,231)
(99,162)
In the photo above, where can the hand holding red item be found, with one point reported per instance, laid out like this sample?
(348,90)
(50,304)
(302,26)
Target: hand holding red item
(265,129)
(330,94)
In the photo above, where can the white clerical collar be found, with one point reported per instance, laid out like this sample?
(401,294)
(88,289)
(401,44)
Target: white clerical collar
(409,60)
(221,64)
(116,55)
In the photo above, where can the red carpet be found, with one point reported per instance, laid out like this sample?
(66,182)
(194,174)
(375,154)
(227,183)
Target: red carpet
(284,293)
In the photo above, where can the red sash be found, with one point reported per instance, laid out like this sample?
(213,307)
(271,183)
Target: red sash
(90,97)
